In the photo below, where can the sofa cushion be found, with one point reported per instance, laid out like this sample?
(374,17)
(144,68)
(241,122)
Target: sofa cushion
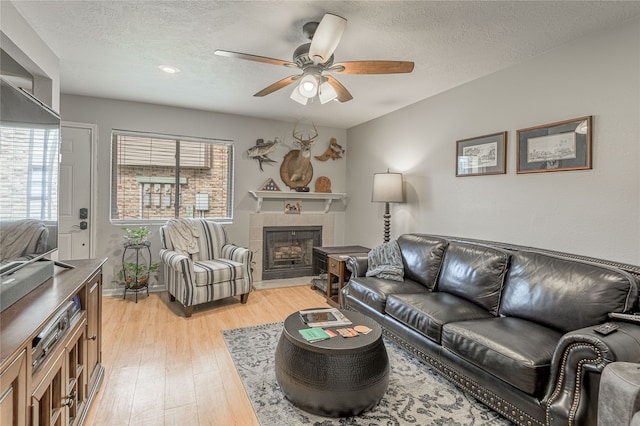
(428,312)
(210,272)
(474,272)
(422,257)
(514,350)
(564,294)
(373,291)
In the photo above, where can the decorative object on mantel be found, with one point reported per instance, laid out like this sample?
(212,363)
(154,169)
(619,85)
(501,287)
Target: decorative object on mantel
(334,151)
(323,184)
(482,155)
(262,150)
(302,189)
(293,207)
(296,169)
(387,188)
(270,185)
(560,146)
(281,195)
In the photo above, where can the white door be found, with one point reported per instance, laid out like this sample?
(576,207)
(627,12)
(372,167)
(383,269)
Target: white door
(74,235)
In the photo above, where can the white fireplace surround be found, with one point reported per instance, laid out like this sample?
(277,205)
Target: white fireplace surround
(257,221)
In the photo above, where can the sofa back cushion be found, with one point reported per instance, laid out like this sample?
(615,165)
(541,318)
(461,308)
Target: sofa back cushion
(422,257)
(474,272)
(564,294)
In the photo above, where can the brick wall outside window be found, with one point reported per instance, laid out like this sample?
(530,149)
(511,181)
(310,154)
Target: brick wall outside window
(139,184)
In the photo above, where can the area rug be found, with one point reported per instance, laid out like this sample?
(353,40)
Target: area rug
(416,395)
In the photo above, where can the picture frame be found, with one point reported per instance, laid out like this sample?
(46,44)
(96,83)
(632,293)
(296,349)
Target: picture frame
(555,147)
(482,155)
(292,207)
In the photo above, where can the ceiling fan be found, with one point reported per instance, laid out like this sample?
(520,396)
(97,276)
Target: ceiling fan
(316,58)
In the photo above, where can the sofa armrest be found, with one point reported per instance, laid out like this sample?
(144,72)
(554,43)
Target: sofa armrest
(357,265)
(580,352)
(180,262)
(237,254)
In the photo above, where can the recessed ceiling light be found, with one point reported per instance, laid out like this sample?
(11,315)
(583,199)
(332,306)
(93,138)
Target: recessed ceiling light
(168,69)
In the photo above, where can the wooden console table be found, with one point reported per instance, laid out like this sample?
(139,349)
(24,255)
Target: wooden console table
(60,389)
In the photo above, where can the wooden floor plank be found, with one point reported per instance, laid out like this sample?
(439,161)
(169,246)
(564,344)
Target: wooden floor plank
(164,369)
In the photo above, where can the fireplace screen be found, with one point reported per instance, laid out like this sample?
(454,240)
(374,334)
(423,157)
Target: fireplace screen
(288,251)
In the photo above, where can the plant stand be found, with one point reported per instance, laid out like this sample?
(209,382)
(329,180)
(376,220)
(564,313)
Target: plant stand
(136,267)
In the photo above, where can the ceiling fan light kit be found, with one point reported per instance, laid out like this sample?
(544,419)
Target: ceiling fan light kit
(327,93)
(317,57)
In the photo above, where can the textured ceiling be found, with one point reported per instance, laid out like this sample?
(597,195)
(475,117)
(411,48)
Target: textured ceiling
(112,49)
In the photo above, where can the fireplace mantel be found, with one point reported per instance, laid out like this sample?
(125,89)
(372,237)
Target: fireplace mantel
(328,197)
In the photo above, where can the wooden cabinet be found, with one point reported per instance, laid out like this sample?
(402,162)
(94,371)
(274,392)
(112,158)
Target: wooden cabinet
(48,396)
(94,330)
(13,391)
(60,388)
(60,392)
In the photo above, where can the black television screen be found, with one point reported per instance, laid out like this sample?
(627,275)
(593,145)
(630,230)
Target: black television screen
(29,175)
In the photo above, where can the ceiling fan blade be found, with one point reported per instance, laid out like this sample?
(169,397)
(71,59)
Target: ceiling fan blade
(254,58)
(326,38)
(277,85)
(372,67)
(343,93)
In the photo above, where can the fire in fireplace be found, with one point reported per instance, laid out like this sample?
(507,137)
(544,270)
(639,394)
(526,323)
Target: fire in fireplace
(288,251)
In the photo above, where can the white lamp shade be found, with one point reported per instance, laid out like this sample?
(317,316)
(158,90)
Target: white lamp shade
(308,86)
(387,188)
(297,96)
(327,93)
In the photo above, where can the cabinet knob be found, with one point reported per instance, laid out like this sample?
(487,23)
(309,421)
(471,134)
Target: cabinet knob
(94,337)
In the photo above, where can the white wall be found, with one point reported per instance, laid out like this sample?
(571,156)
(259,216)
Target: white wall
(244,131)
(594,212)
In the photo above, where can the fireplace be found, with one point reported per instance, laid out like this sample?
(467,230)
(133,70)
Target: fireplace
(288,251)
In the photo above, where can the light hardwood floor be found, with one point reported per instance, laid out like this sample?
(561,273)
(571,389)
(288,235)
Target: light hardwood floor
(165,369)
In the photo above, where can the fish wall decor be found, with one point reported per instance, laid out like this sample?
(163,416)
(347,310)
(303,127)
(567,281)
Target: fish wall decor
(262,150)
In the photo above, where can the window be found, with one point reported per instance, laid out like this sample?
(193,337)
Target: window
(159,177)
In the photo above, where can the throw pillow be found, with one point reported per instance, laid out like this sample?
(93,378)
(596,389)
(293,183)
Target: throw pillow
(385,261)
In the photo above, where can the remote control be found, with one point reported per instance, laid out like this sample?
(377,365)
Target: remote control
(625,317)
(606,328)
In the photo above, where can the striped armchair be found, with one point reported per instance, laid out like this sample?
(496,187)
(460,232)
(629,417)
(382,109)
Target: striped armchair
(200,265)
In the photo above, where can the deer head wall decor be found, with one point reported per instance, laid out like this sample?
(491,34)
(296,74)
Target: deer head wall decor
(296,169)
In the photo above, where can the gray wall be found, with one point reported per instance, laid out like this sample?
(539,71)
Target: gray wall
(594,212)
(244,131)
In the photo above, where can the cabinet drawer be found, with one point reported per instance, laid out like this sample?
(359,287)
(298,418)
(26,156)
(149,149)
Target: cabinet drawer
(334,266)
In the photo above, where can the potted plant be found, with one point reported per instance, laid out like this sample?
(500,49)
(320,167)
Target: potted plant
(136,237)
(136,275)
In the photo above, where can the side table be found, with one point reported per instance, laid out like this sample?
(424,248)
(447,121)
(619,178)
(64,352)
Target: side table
(322,265)
(337,268)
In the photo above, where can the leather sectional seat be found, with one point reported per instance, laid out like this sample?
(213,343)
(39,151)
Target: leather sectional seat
(512,325)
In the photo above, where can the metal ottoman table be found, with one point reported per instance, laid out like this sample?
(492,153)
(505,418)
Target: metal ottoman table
(337,377)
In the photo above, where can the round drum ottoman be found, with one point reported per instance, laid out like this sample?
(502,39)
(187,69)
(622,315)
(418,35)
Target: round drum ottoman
(337,377)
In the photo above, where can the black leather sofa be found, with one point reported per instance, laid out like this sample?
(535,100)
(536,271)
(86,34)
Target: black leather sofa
(512,325)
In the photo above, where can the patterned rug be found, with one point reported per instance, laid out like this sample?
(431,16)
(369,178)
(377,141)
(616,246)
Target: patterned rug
(416,395)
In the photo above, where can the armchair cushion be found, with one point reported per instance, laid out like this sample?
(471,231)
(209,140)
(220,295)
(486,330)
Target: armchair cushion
(209,272)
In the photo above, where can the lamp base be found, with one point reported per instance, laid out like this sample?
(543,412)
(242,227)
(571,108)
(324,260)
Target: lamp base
(387,222)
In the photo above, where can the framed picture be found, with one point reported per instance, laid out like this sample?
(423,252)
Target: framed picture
(555,147)
(483,155)
(292,207)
